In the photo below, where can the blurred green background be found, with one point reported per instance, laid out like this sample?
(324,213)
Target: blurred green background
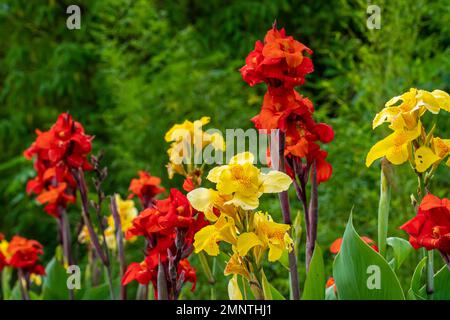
(137,67)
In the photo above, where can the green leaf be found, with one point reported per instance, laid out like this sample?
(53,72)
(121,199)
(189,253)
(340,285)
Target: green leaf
(356,268)
(6,278)
(441,285)
(266,286)
(55,282)
(414,289)
(276,295)
(401,248)
(315,280)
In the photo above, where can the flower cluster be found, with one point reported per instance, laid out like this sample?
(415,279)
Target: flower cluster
(21,253)
(169,228)
(430,228)
(409,140)
(187,142)
(57,151)
(230,207)
(281,64)
(146,188)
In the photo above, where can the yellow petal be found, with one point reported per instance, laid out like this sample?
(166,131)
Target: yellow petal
(215,173)
(275,252)
(246,241)
(246,202)
(443,99)
(386,115)
(398,154)
(427,100)
(275,181)
(234,292)
(378,150)
(241,158)
(203,200)
(206,239)
(424,158)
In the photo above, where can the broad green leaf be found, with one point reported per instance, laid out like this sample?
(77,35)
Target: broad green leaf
(315,280)
(55,282)
(414,289)
(276,295)
(441,285)
(401,248)
(15,293)
(362,273)
(102,292)
(266,287)
(6,278)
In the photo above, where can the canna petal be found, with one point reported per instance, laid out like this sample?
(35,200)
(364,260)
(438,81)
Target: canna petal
(246,241)
(424,157)
(242,158)
(234,292)
(206,240)
(379,150)
(275,181)
(443,99)
(388,114)
(203,200)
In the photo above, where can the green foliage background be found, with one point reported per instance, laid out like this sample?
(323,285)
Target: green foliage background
(137,67)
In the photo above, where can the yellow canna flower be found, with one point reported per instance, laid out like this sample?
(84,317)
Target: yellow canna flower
(127,212)
(236,265)
(223,230)
(266,234)
(244,183)
(234,292)
(186,138)
(414,104)
(395,147)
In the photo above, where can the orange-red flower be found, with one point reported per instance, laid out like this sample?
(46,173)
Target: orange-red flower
(24,254)
(430,228)
(146,187)
(169,227)
(65,143)
(336,245)
(56,152)
(280,61)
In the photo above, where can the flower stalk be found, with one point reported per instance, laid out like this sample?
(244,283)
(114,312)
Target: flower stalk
(383,207)
(120,246)
(286,211)
(313,213)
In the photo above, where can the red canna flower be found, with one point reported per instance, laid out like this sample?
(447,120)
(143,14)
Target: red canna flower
(65,144)
(168,226)
(280,61)
(56,152)
(146,187)
(430,228)
(336,245)
(24,254)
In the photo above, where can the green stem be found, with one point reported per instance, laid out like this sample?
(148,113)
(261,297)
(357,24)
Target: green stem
(383,207)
